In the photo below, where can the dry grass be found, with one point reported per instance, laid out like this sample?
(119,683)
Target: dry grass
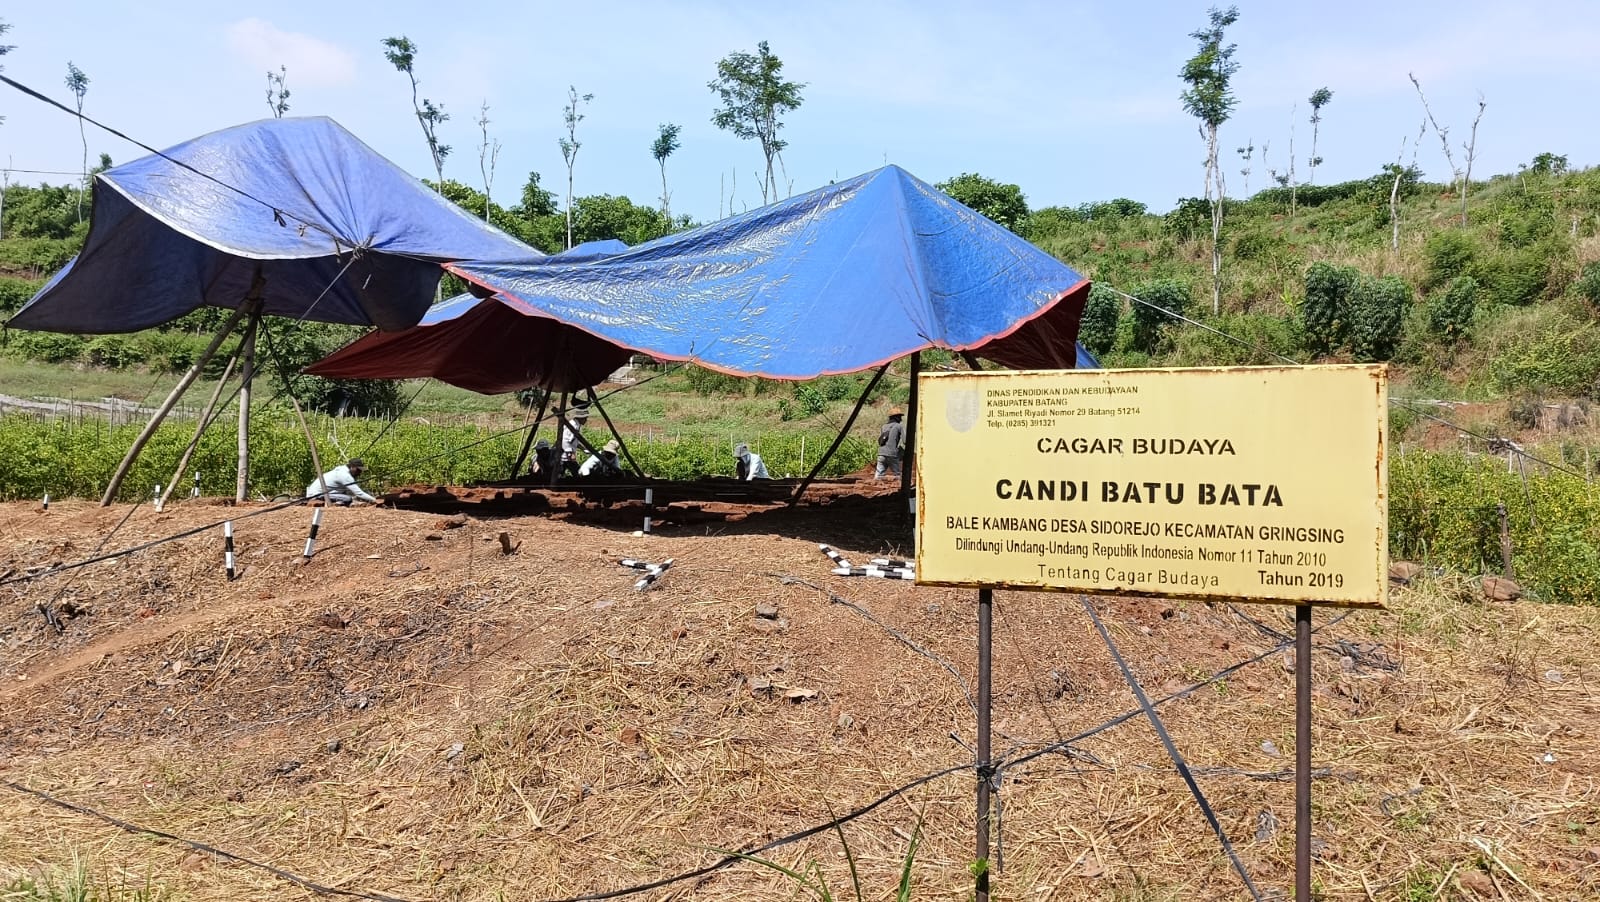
(608,737)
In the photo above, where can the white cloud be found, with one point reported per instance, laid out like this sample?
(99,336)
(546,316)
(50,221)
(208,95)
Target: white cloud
(311,61)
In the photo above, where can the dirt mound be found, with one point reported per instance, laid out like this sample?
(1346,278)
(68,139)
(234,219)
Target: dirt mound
(416,714)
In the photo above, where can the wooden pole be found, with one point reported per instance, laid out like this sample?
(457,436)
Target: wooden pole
(200,427)
(166,407)
(561,440)
(527,443)
(838,439)
(594,401)
(907,462)
(247,374)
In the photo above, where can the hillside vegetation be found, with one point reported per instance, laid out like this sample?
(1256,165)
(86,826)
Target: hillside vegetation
(1498,311)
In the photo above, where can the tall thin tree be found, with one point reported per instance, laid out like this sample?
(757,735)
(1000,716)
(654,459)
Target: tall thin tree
(1210,100)
(488,155)
(570,144)
(1319,99)
(663,146)
(754,98)
(1245,154)
(278,91)
(1444,141)
(402,55)
(78,84)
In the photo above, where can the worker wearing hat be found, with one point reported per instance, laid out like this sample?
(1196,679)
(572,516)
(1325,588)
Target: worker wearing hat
(605,463)
(341,487)
(890,438)
(576,417)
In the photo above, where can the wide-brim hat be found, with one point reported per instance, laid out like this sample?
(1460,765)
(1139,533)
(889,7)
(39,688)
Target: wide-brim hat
(612,447)
(896,412)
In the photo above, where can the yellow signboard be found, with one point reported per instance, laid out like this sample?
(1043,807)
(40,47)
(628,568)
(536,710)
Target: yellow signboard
(1249,483)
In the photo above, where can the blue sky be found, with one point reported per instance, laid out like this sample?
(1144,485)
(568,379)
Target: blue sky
(1072,101)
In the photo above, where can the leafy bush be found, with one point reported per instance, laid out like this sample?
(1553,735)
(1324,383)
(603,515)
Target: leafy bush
(114,352)
(1377,316)
(1189,219)
(710,382)
(1442,509)
(1515,278)
(49,347)
(1588,285)
(1097,330)
(1542,350)
(1450,312)
(16,292)
(170,352)
(1150,325)
(1446,255)
(1268,340)
(1325,312)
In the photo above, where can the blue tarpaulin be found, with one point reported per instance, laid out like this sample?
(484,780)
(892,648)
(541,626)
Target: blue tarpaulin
(838,280)
(336,232)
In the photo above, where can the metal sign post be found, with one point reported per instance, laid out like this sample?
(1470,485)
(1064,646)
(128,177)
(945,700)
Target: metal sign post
(1302,753)
(985,632)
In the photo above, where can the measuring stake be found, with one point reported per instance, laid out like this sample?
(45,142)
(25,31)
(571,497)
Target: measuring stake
(227,549)
(311,540)
(158,497)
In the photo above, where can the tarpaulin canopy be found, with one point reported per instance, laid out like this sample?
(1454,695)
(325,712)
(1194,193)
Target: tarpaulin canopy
(838,280)
(489,346)
(335,232)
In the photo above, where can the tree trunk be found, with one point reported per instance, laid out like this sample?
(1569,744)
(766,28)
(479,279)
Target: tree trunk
(1214,189)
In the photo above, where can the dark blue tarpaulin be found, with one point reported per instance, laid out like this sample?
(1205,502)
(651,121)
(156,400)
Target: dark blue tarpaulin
(838,280)
(336,232)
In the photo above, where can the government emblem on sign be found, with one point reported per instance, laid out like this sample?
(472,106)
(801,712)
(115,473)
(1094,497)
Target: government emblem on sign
(961,409)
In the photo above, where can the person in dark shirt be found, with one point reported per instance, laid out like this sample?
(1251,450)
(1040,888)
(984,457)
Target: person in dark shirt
(889,440)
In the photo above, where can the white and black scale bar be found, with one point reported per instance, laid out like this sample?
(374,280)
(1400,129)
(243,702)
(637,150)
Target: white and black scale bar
(893,562)
(652,572)
(836,557)
(880,572)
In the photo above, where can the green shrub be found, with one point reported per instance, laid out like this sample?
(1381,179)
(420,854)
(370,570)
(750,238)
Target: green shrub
(16,292)
(1325,312)
(1450,312)
(1515,278)
(1377,316)
(710,382)
(1442,509)
(1097,330)
(1268,340)
(170,352)
(1542,350)
(1150,325)
(1588,285)
(114,352)
(1446,255)
(49,347)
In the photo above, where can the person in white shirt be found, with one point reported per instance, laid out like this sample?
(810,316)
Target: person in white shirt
(604,463)
(749,465)
(576,417)
(341,482)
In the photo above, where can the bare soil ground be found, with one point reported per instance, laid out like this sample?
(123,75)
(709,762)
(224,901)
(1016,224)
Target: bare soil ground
(415,714)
